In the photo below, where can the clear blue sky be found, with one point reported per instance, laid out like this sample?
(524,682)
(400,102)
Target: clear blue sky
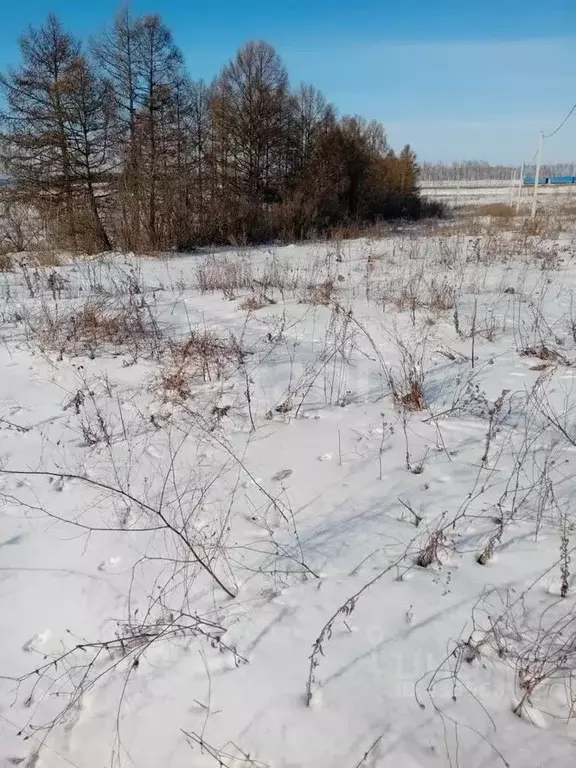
(458,79)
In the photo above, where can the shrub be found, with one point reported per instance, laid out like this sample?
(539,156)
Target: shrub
(6,264)
(203,357)
(253,303)
(95,325)
(320,293)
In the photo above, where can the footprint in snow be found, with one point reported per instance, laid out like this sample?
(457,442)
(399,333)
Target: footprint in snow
(35,643)
(325,457)
(109,564)
(57,484)
(282,474)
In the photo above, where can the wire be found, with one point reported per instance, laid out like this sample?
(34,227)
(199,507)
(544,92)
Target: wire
(562,124)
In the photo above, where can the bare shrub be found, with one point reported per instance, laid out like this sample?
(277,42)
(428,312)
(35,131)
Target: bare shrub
(95,325)
(255,302)
(6,264)
(21,227)
(278,275)
(544,353)
(45,257)
(173,382)
(418,293)
(320,294)
(536,642)
(203,357)
(441,295)
(545,224)
(228,757)
(413,399)
(403,297)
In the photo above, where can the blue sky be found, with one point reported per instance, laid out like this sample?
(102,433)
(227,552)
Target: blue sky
(458,79)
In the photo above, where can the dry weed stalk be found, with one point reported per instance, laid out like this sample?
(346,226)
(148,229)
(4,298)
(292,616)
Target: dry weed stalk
(344,610)
(406,380)
(224,757)
(430,552)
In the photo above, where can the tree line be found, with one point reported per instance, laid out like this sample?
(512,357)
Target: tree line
(475,170)
(116,146)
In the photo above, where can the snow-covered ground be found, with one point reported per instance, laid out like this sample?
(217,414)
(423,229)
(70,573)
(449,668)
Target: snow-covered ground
(306,506)
(460,193)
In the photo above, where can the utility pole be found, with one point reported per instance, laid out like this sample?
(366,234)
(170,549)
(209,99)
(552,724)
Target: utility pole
(537,177)
(520,182)
(457,185)
(511,189)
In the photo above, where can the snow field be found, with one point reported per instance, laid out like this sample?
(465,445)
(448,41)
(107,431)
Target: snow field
(299,506)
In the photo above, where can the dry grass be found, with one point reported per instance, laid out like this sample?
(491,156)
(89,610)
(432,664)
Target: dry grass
(567,210)
(254,303)
(351,232)
(441,296)
(93,326)
(430,552)
(496,211)
(220,274)
(203,357)
(173,384)
(407,385)
(320,294)
(417,293)
(407,379)
(413,399)
(544,353)
(546,224)
(494,219)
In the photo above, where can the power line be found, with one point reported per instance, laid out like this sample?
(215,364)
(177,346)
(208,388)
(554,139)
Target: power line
(544,136)
(562,124)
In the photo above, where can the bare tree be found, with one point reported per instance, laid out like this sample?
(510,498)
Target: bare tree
(125,147)
(159,65)
(250,113)
(88,112)
(34,148)
(116,52)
